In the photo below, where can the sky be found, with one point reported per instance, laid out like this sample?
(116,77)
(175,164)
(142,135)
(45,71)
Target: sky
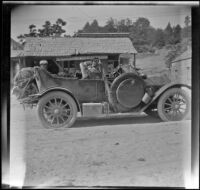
(77,15)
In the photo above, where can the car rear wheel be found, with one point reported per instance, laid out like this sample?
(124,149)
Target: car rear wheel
(57,110)
(173,105)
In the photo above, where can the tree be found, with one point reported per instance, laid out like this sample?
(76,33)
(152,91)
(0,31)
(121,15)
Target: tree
(21,38)
(86,28)
(151,35)
(177,50)
(187,21)
(128,22)
(168,33)
(139,31)
(110,26)
(160,38)
(47,30)
(168,29)
(123,25)
(94,27)
(57,28)
(33,31)
(186,31)
(142,23)
(177,34)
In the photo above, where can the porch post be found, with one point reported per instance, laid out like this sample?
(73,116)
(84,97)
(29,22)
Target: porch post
(134,59)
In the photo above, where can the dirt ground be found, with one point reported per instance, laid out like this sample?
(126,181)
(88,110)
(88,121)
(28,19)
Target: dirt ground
(128,151)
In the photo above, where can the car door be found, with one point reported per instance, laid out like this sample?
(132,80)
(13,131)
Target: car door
(91,90)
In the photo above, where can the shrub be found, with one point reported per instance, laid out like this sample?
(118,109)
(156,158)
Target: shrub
(175,51)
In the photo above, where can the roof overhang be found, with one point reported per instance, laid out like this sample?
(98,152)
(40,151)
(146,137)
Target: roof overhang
(82,58)
(127,55)
(16,53)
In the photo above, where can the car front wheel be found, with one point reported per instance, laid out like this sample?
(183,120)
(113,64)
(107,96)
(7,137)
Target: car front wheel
(173,105)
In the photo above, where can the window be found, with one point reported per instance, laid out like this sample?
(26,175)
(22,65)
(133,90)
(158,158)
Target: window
(72,64)
(65,64)
(124,61)
(116,63)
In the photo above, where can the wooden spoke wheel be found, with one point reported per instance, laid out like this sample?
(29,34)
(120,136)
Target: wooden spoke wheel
(57,110)
(173,105)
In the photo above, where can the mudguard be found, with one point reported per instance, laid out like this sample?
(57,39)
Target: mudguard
(41,94)
(163,89)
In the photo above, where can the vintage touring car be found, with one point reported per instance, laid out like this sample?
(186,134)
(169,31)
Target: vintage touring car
(59,99)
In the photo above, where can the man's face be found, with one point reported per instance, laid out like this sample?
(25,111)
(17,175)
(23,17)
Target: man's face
(95,62)
(44,66)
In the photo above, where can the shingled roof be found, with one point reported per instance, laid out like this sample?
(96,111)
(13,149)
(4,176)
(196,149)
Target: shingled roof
(15,45)
(62,46)
(184,56)
(16,53)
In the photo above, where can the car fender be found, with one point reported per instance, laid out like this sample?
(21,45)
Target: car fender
(163,89)
(41,94)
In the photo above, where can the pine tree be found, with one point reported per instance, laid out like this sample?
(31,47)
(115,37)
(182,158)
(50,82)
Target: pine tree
(160,38)
(86,28)
(94,27)
(177,34)
(168,32)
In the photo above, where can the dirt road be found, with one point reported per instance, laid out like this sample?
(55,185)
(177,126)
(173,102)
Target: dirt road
(139,151)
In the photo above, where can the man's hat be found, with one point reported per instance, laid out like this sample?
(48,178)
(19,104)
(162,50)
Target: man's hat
(43,62)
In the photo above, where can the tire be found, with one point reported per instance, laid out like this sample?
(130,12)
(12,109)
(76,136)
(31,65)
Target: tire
(173,105)
(115,84)
(57,110)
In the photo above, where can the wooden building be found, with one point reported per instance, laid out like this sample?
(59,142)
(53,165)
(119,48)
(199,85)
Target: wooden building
(69,52)
(181,67)
(17,60)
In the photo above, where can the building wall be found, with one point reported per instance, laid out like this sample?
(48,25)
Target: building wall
(181,71)
(15,63)
(14,69)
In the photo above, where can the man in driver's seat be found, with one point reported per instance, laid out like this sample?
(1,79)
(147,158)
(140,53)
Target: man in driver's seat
(44,64)
(91,69)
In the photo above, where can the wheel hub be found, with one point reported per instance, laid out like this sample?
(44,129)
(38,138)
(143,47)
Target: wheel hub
(175,106)
(56,111)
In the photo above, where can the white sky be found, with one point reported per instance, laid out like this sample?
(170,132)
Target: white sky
(77,15)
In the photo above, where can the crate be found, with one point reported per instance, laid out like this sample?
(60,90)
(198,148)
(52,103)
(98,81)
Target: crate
(92,109)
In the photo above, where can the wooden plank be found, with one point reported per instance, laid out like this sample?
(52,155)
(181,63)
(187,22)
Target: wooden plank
(77,58)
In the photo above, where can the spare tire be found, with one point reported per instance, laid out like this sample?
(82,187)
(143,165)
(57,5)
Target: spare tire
(127,91)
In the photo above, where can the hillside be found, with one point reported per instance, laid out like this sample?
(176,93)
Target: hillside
(156,63)
(152,63)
